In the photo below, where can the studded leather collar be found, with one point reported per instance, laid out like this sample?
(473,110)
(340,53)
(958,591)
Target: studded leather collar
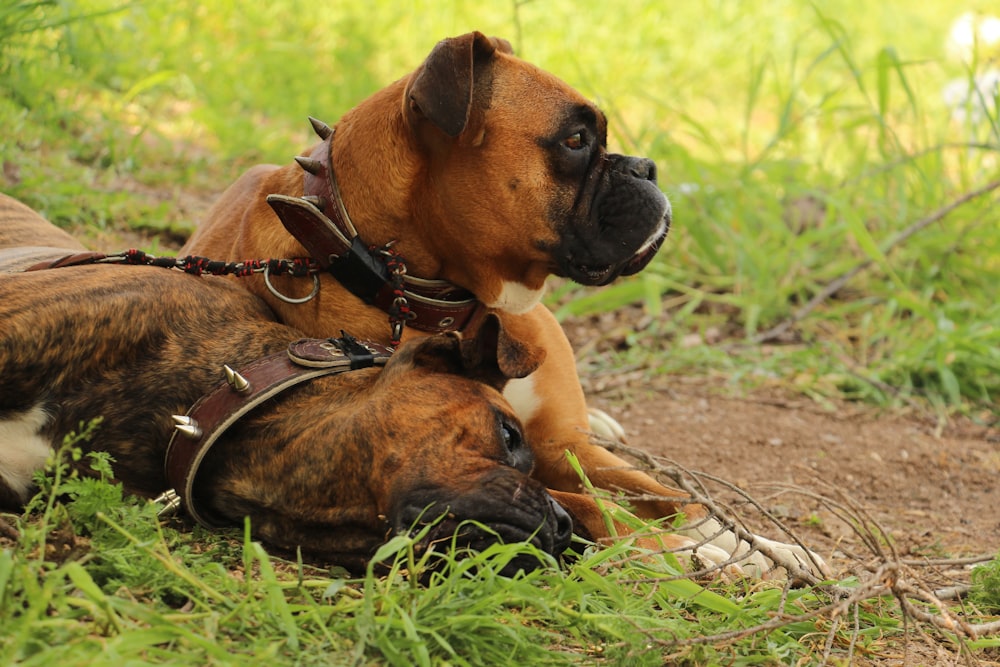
(242,391)
(320,222)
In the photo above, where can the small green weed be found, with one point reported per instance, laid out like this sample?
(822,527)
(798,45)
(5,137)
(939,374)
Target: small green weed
(985,592)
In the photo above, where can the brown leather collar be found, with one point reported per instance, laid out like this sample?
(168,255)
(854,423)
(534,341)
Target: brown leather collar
(243,390)
(319,221)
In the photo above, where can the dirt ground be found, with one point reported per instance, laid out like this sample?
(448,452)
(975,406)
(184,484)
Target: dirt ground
(933,490)
(929,485)
(934,493)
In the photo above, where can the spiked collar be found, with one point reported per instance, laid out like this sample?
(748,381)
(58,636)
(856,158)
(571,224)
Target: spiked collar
(320,222)
(242,391)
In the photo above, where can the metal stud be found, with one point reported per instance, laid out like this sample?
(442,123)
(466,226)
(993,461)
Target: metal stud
(239,383)
(320,128)
(315,200)
(187,426)
(314,167)
(170,501)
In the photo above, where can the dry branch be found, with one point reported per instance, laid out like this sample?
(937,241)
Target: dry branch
(838,283)
(923,608)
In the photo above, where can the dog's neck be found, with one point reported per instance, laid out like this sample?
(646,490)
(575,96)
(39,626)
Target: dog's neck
(379,176)
(375,273)
(401,206)
(259,381)
(382,208)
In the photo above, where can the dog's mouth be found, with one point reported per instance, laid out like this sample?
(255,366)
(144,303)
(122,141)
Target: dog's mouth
(645,254)
(602,274)
(475,522)
(591,275)
(448,532)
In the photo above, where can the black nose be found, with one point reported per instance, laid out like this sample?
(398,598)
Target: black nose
(642,168)
(564,526)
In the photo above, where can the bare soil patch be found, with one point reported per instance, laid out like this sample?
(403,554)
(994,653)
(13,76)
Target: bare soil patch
(934,493)
(932,489)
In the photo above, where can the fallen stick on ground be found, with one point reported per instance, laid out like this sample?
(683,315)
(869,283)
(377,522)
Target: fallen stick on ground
(887,573)
(838,283)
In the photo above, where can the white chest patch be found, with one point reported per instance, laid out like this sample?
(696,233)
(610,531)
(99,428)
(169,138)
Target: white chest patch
(520,393)
(22,449)
(517,299)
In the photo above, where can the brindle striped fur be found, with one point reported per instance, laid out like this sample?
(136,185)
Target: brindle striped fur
(333,466)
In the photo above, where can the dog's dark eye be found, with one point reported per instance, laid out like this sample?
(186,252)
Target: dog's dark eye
(574,141)
(517,453)
(511,436)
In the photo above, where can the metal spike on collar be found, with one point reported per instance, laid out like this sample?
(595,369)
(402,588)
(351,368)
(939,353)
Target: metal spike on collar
(171,503)
(315,200)
(187,426)
(238,383)
(322,130)
(314,167)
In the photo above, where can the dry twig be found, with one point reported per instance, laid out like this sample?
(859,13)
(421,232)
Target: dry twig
(922,607)
(838,283)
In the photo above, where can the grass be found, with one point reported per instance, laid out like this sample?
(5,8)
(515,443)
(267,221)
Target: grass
(796,141)
(95,578)
(986,586)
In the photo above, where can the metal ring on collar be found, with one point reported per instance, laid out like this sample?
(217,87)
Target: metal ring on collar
(288,299)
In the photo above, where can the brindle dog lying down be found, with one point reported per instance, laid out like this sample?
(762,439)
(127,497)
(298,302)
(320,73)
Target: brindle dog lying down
(203,395)
(334,464)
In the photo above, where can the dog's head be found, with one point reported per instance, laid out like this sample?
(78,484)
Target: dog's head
(347,460)
(519,176)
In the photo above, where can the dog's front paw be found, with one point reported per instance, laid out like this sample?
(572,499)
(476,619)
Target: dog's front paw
(710,557)
(791,558)
(605,426)
(764,558)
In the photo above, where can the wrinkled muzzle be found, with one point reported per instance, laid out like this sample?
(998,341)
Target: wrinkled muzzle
(504,506)
(627,222)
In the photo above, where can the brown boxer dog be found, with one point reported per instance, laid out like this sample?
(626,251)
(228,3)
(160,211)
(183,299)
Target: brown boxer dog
(482,175)
(334,463)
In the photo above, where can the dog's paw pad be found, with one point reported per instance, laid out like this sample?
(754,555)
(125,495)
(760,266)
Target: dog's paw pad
(788,557)
(605,426)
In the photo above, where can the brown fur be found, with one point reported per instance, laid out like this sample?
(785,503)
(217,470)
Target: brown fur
(333,466)
(477,209)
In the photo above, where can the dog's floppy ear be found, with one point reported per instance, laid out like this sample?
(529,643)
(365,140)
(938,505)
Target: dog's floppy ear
(451,79)
(491,356)
(492,352)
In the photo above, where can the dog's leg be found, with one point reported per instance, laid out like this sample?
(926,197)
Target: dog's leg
(600,524)
(551,404)
(22,451)
(553,408)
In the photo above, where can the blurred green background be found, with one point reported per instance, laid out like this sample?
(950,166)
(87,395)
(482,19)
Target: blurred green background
(795,140)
